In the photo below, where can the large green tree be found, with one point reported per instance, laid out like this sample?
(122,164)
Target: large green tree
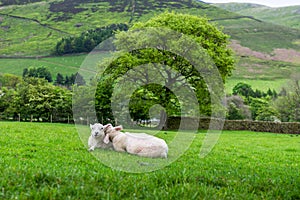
(167,57)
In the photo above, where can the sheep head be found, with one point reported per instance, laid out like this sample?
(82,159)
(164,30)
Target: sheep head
(97,130)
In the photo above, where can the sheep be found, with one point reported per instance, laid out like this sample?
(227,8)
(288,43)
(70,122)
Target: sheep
(138,144)
(96,138)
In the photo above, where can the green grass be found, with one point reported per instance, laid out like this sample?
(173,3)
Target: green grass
(262,85)
(261,36)
(285,16)
(26,38)
(262,74)
(49,161)
(66,65)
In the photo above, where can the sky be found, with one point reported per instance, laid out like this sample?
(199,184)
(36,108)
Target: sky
(270,3)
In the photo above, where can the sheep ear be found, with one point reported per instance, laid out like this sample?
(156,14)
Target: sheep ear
(106,139)
(106,126)
(91,126)
(118,128)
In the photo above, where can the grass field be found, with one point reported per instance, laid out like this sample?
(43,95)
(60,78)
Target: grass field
(66,65)
(286,16)
(49,161)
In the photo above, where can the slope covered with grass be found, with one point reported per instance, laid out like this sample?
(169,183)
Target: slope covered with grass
(34,28)
(285,16)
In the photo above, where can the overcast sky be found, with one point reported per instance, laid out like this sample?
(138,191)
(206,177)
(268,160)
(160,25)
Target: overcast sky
(270,3)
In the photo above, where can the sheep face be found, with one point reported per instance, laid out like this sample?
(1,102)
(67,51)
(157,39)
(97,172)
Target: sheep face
(97,130)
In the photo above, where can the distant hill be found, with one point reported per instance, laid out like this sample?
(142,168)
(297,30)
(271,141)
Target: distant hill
(286,16)
(266,40)
(33,29)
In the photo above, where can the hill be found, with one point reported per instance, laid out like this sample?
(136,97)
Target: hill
(33,29)
(285,16)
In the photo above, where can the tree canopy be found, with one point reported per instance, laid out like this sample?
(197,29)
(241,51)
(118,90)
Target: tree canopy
(166,61)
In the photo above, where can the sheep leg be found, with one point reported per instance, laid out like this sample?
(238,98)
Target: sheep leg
(92,148)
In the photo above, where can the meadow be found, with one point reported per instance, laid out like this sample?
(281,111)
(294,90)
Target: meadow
(65,65)
(49,161)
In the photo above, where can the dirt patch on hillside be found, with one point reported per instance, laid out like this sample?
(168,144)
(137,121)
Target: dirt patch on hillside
(254,68)
(286,55)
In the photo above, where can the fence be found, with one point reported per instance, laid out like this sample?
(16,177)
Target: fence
(188,123)
(32,118)
(173,123)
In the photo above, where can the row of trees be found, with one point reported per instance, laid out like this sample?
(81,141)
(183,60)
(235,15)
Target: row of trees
(36,98)
(88,40)
(60,80)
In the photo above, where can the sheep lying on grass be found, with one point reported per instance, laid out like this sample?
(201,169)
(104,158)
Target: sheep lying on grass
(139,144)
(96,138)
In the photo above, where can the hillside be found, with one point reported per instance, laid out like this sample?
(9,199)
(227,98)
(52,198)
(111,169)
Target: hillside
(33,29)
(263,49)
(285,16)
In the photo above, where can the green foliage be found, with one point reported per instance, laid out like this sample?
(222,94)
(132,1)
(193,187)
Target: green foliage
(88,40)
(260,102)
(48,161)
(40,72)
(262,109)
(243,89)
(35,98)
(266,113)
(205,34)
(9,80)
(288,102)
(234,113)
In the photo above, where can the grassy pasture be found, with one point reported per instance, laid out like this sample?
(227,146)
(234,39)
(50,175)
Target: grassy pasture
(49,161)
(65,65)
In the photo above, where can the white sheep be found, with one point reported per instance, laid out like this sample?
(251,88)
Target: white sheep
(138,144)
(96,138)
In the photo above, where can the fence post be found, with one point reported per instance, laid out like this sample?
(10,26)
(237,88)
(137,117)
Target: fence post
(51,118)
(19,117)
